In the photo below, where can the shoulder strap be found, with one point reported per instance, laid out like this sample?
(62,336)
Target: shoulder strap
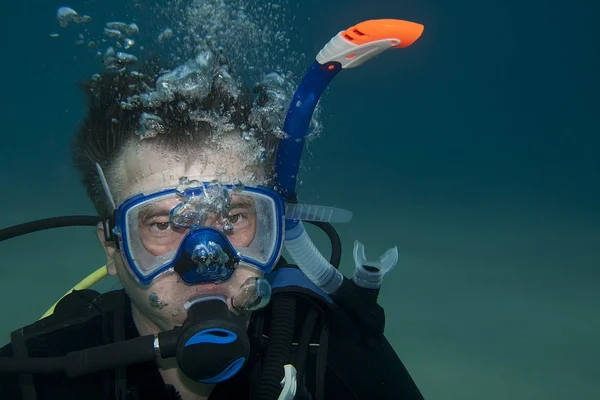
(20,351)
(89,319)
(289,278)
(119,336)
(19,338)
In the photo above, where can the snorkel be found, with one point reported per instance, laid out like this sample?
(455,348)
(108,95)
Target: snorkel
(347,49)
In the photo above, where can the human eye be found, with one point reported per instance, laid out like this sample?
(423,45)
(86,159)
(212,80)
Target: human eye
(237,218)
(240,217)
(160,226)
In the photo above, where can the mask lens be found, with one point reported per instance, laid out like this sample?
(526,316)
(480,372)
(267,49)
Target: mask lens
(236,217)
(157,234)
(156,226)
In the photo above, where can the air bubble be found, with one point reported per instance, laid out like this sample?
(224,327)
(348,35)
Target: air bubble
(66,15)
(227,226)
(165,35)
(126,58)
(238,186)
(123,28)
(128,43)
(150,126)
(112,33)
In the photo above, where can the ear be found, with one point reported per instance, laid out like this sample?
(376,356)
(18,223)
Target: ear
(109,248)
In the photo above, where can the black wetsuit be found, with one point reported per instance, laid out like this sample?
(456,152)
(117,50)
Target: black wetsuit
(342,362)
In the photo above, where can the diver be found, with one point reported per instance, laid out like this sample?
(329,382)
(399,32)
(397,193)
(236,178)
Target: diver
(196,200)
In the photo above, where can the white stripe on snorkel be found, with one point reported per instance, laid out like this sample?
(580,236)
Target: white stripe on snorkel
(105,186)
(310,212)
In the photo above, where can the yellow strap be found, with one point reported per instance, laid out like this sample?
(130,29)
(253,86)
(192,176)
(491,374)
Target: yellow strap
(92,278)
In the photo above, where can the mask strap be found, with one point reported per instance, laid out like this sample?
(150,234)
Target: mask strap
(109,223)
(111,200)
(109,235)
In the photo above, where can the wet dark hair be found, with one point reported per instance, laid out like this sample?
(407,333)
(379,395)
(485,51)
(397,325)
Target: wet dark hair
(109,127)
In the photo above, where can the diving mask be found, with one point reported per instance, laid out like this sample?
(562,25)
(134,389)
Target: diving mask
(200,230)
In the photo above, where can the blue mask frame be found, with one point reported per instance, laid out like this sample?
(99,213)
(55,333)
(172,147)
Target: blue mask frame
(182,261)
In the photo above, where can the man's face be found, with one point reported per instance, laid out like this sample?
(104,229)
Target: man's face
(145,169)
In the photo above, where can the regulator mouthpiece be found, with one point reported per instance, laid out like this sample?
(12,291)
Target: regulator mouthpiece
(369,274)
(213,345)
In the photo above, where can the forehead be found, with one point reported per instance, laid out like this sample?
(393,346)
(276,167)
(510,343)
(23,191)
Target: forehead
(165,205)
(143,168)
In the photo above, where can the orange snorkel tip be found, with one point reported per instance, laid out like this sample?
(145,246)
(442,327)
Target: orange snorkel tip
(380,29)
(363,41)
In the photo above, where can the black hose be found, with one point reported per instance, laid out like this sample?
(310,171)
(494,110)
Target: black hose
(279,348)
(304,342)
(90,220)
(334,238)
(48,223)
(46,365)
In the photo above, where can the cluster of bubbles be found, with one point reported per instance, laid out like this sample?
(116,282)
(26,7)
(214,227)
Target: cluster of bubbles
(150,125)
(202,200)
(116,35)
(255,37)
(190,81)
(254,34)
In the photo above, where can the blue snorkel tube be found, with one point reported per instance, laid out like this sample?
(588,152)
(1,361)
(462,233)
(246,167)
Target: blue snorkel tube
(347,49)
(296,125)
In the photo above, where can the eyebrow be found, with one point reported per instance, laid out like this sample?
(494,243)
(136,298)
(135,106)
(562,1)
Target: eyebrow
(161,210)
(153,210)
(243,202)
